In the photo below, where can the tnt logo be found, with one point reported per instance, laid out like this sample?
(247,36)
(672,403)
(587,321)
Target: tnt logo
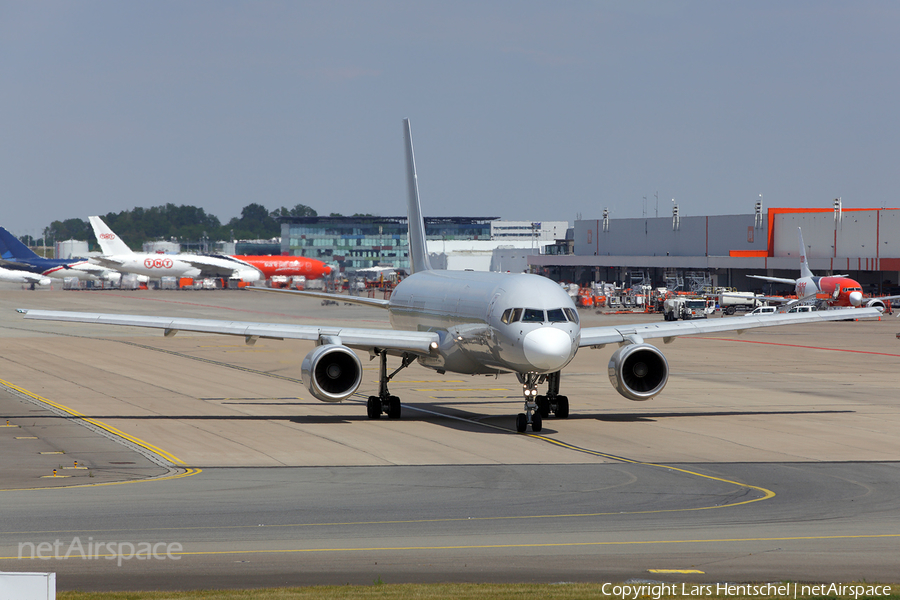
(158,263)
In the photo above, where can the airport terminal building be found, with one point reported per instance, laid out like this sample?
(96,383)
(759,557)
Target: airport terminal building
(864,243)
(360,242)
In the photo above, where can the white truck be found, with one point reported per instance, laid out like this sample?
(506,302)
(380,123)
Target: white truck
(730,302)
(684,307)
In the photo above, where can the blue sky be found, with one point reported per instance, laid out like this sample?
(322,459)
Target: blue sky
(522,110)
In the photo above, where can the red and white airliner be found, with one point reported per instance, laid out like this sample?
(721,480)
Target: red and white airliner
(835,290)
(288,266)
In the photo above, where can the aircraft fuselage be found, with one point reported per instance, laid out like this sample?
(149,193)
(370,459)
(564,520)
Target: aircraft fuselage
(155,266)
(489,322)
(849,291)
(287,266)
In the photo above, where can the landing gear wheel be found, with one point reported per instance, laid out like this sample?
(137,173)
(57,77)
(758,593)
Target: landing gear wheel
(536,422)
(521,422)
(393,410)
(373,407)
(543,406)
(562,407)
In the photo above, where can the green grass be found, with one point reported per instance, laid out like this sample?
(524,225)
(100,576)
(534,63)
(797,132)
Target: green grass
(444,591)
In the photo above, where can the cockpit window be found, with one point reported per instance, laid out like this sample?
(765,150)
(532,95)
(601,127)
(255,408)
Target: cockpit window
(511,315)
(556,315)
(573,316)
(533,315)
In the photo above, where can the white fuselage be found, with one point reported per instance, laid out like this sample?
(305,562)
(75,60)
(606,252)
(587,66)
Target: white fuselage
(489,322)
(16,276)
(154,265)
(197,266)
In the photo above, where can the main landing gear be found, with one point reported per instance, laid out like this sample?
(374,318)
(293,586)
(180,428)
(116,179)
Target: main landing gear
(538,407)
(384,403)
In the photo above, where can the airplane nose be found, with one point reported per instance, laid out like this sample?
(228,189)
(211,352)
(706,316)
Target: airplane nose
(547,348)
(855,298)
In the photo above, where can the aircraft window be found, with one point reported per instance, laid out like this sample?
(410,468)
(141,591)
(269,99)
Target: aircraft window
(533,315)
(573,316)
(506,315)
(556,315)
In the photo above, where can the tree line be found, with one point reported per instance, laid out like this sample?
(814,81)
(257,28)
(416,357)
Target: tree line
(179,223)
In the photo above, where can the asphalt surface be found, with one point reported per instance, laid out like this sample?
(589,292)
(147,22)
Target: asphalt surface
(769,457)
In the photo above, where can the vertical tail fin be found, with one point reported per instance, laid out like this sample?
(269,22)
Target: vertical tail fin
(12,248)
(109,242)
(804,265)
(4,251)
(418,251)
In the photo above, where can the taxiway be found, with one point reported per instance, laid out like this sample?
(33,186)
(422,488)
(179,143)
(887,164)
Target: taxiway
(769,456)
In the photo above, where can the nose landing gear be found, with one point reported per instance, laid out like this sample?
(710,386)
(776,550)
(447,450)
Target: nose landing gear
(532,414)
(539,407)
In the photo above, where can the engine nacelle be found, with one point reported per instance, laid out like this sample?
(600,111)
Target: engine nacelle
(638,371)
(331,372)
(876,303)
(248,275)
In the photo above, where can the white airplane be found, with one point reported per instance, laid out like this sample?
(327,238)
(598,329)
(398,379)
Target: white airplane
(471,323)
(27,277)
(17,255)
(117,255)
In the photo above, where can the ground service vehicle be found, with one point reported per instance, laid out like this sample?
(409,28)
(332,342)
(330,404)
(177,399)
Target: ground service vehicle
(681,307)
(730,302)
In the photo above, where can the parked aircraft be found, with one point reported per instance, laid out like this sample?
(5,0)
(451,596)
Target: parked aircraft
(17,256)
(27,277)
(470,323)
(839,290)
(289,266)
(117,255)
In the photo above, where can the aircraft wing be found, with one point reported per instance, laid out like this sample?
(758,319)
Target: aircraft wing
(89,267)
(775,279)
(758,297)
(214,266)
(15,264)
(389,339)
(108,262)
(668,330)
(777,299)
(328,296)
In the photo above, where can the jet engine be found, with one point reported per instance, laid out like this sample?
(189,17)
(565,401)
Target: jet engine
(331,372)
(876,303)
(248,275)
(638,371)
